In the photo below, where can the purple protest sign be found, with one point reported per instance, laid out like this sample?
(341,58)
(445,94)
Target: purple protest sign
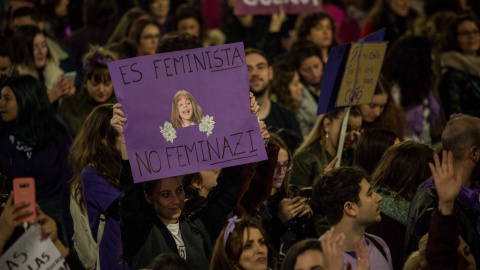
(187,111)
(262,7)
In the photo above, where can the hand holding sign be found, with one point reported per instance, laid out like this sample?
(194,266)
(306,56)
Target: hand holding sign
(30,252)
(254,105)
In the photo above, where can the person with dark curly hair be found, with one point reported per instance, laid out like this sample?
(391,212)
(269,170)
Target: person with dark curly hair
(189,20)
(318,28)
(290,92)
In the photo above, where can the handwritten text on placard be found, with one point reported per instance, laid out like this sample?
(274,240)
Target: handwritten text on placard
(30,252)
(361,73)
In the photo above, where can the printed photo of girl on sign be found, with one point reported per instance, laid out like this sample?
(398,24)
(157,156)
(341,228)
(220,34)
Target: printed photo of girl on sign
(185,110)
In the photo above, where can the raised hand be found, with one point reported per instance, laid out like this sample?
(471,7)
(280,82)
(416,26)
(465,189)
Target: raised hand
(277,20)
(118,119)
(447,182)
(264,131)
(333,250)
(61,88)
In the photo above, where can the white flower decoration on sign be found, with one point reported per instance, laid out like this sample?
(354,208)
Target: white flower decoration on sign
(168,132)
(207,124)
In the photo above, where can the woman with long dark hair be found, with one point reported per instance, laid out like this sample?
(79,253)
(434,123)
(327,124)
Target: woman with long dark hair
(408,67)
(34,142)
(32,57)
(96,160)
(401,170)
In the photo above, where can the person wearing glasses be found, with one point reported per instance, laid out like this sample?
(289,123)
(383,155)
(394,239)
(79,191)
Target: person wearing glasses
(145,33)
(284,213)
(460,83)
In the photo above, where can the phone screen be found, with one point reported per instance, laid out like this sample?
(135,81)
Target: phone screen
(305,192)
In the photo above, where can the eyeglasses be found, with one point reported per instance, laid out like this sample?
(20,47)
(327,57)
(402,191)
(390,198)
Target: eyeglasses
(286,166)
(469,33)
(151,37)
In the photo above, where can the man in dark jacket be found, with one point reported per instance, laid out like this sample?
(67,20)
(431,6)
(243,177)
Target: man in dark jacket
(462,137)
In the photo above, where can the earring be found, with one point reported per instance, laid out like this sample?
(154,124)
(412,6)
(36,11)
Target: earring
(326,134)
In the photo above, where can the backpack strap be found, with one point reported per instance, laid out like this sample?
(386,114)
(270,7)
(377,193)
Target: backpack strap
(101,226)
(377,245)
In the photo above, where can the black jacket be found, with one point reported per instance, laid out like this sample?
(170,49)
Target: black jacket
(422,207)
(144,236)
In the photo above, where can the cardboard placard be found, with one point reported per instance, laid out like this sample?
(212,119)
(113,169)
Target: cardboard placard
(30,252)
(206,87)
(335,71)
(361,73)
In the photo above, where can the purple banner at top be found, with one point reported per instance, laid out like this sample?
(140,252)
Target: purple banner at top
(261,7)
(187,111)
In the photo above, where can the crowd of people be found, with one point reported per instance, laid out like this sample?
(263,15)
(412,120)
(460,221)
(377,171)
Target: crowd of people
(405,196)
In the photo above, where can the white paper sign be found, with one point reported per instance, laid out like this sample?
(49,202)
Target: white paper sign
(31,253)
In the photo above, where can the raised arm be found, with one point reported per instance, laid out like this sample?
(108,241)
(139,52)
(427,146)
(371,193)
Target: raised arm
(132,205)
(443,239)
(10,219)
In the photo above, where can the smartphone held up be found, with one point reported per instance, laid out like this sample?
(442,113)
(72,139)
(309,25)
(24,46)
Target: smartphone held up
(24,191)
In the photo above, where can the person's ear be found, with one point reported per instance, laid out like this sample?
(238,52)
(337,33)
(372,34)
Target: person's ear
(270,73)
(197,184)
(148,198)
(350,209)
(474,153)
(326,125)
